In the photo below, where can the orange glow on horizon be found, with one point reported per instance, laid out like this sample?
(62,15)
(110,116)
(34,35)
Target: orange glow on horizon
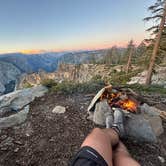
(74,47)
(31,51)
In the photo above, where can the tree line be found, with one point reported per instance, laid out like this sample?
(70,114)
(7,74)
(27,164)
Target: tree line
(151,51)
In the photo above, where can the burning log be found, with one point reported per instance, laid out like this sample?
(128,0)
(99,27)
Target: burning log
(118,99)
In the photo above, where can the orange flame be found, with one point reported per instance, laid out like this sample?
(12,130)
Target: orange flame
(128,105)
(114,100)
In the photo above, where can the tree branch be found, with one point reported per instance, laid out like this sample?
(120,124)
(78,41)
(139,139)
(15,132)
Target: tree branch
(151,28)
(153,17)
(159,9)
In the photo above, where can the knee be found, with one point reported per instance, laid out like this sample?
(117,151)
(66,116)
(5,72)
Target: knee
(99,133)
(97,130)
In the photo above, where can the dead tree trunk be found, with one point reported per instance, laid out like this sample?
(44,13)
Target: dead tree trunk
(155,49)
(129,60)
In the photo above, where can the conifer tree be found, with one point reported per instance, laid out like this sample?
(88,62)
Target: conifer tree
(158,11)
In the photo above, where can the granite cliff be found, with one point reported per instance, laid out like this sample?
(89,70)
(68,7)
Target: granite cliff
(70,72)
(9,75)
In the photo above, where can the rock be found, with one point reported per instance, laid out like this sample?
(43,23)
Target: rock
(9,73)
(4,148)
(7,142)
(96,98)
(145,108)
(4,111)
(158,78)
(101,110)
(161,159)
(143,127)
(20,98)
(2,88)
(35,78)
(16,150)
(70,72)
(3,137)
(59,110)
(18,142)
(14,119)
(82,108)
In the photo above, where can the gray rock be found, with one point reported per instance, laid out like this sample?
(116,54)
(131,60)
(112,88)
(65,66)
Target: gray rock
(3,137)
(102,110)
(96,98)
(15,119)
(59,110)
(5,110)
(16,150)
(20,98)
(145,108)
(143,127)
(158,78)
(8,73)
(161,159)
(7,142)
(2,88)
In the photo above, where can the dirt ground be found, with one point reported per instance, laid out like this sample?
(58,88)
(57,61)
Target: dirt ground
(48,139)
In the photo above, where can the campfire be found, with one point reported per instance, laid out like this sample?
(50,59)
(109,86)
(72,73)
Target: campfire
(120,99)
(142,121)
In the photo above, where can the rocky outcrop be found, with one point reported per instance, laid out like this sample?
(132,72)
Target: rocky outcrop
(14,106)
(159,77)
(9,75)
(77,73)
(34,78)
(82,73)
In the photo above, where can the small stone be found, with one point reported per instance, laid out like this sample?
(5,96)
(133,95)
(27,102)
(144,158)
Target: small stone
(18,142)
(27,134)
(162,160)
(4,148)
(16,150)
(3,137)
(52,139)
(7,142)
(59,110)
(81,108)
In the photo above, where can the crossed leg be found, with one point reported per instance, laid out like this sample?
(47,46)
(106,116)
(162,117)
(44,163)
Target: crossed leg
(122,157)
(102,140)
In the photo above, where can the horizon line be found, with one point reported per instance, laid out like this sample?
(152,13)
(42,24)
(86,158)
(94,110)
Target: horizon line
(40,51)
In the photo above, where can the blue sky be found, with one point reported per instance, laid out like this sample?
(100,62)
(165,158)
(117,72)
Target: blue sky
(70,24)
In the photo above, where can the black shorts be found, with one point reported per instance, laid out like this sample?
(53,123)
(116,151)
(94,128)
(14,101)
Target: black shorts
(87,156)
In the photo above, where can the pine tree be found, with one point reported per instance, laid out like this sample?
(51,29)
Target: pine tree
(158,11)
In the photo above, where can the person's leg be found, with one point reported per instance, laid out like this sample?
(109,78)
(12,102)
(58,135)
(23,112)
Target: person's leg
(102,141)
(121,156)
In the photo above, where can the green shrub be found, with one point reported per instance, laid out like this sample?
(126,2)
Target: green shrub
(122,77)
(49,83)
(148,88)
(96,78)
(27,85)
(71,87)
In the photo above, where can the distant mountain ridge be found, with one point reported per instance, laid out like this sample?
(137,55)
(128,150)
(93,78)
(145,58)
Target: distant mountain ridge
(47,61)
(14,65)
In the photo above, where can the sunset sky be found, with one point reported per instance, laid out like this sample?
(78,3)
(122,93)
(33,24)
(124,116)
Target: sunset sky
(59,25)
